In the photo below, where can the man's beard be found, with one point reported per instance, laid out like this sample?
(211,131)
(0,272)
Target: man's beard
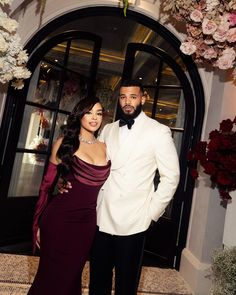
(135,114)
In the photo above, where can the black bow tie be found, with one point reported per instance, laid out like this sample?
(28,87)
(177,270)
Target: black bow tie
(128,122)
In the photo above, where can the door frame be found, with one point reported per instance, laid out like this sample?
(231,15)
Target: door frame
(172,225)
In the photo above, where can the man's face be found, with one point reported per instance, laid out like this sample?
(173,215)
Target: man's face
(130,98)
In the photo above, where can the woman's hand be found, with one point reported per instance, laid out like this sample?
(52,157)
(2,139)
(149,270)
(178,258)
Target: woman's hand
(63,186)
(38,239)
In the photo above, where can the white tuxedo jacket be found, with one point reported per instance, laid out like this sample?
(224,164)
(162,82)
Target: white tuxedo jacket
(127,202)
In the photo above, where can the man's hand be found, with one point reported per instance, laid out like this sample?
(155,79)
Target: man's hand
(63,186)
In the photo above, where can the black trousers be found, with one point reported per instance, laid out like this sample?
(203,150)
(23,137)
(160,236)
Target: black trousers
(125,253)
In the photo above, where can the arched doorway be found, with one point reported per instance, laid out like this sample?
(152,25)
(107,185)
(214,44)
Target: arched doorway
(102,48)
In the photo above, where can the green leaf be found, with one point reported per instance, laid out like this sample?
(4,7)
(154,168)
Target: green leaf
(126,5)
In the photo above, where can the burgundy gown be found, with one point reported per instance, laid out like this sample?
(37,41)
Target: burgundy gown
(67,228)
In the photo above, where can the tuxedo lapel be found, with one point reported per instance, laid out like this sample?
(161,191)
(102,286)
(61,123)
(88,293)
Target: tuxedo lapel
(114,142)
(124,149)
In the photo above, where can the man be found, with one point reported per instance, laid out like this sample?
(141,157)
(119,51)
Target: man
(127,203)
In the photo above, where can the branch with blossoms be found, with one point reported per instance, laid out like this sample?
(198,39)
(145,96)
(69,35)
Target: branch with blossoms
(218,158)
(13,58)
(211,30)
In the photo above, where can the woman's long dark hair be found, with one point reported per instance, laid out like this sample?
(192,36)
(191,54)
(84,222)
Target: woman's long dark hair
(71,131)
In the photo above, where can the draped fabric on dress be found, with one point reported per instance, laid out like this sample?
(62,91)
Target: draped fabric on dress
(67,228)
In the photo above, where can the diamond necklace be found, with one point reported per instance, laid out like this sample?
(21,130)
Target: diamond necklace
(87,141)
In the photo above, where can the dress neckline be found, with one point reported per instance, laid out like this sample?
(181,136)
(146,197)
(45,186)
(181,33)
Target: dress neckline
(105,165)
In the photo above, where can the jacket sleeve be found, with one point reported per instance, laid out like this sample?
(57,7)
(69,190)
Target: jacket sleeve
(45,189)
(101,136)
(168,168)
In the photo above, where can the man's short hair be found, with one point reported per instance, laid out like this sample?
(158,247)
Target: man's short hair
(131,83)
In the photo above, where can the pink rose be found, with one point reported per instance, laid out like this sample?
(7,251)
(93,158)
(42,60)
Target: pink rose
(210,53)
(220,35)
(193,30)
(208,26)
(231,35)
(202,48)
(225,61)
(196,15)
(232,19)
(188,48)
(224,21)
(209,40)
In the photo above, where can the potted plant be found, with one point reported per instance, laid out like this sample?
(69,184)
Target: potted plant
(223,272)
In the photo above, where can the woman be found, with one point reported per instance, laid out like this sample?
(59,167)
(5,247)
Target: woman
(67,223)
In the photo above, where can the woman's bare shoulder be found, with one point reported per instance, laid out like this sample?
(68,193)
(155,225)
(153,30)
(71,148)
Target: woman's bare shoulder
(102,144)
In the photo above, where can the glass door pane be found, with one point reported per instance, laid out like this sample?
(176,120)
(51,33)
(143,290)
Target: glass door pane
(80,56)
(36,128)
(60,80)
(26,175)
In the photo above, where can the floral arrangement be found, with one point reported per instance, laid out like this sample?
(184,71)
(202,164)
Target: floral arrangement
(211,30)
(44,123)
(13,58)
(218,158)
(40,144)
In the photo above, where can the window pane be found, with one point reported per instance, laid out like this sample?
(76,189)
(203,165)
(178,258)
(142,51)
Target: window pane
(108,96)
(148,106)
(169,110)
(44,85)
(26,175)
(35,129)
(179,123)
(177,137)
(80,56)
(57,54)
(168,76)
(73,90)
(61,121)
(146,68)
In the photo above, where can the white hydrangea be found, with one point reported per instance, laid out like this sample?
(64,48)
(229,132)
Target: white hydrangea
(8,24)
(18,84)
(7,2)
(13,58)
(3,44)
(21,73)
(22,57)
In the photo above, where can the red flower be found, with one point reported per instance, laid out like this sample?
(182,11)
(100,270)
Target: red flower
(214,144)
(190,156)
(218,158)
(210,168)
(213,134)
(194,173)
(226,125)
(213,155)
(225,195)
(223,178)
(201,147)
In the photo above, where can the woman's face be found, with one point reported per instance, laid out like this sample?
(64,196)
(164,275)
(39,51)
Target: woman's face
(92,120)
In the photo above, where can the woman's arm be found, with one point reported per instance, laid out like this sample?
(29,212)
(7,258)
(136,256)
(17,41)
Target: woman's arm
(45,189)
